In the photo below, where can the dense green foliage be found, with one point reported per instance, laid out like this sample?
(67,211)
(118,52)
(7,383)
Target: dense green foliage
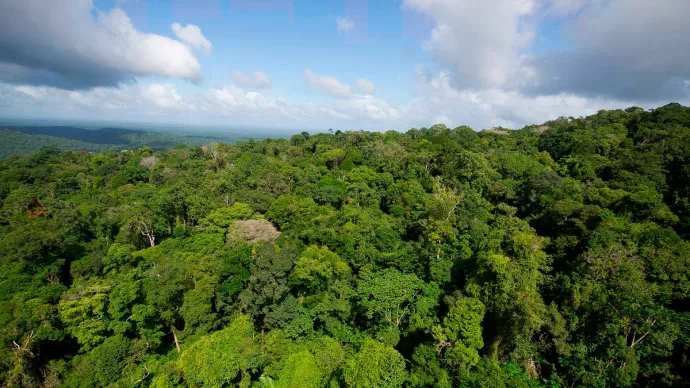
(552,256)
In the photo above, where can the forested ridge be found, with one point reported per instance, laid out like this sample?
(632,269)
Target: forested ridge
(555,255)
(24,140)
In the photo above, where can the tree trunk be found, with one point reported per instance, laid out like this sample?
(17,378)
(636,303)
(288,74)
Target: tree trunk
(177,343)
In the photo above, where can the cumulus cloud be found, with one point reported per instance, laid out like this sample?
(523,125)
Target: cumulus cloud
(436,101)
(344,24)
(374,110)
(163,95)
(362,111)
(64,45)
(192,35)
(620,49)
(365,86)
(132,98)
(486,74)
(327,84)
(479,41)
(240,104)
(233,99)
(437,97)
(257,80)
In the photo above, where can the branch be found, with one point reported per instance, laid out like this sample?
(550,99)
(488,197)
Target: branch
(638,340)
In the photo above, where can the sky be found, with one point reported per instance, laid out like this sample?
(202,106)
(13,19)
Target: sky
(341,64)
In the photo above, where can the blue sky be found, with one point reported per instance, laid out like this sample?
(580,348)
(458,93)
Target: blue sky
(283,46)
(349,64)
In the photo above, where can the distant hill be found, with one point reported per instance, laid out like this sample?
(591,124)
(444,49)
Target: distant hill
(97,136)
(24,140)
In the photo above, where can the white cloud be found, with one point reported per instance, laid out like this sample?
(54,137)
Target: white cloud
(234,99)
(436,97)
(131,98)
(559,8)
(262,79)
(365,86)
(327,84)
(620,49)
(242,79)
(372,109)
(257,80)
(486,73)
(62,44)
(480,41)
(162,95)
(344,24)
(599,54)
(163,102)
(335,114)
(192,35)
(437,100)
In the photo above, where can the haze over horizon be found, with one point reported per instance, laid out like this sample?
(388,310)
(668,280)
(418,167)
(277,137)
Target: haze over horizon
(347,64)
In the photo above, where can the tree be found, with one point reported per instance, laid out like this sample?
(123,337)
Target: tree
(439,230)
(319,269)
(301,371)
(427,370)
(221,218)
(510,272)
(139,220)
(265,296)
(399,299)
(334,157)
(214,150)
(83,312)
(20,375)
(197,306)
(460,334)
(375,365)
(109,359)
(225,357)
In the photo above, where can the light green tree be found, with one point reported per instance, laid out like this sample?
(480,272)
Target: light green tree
(222,358)
(400,300)
(459,337)
(375,366)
